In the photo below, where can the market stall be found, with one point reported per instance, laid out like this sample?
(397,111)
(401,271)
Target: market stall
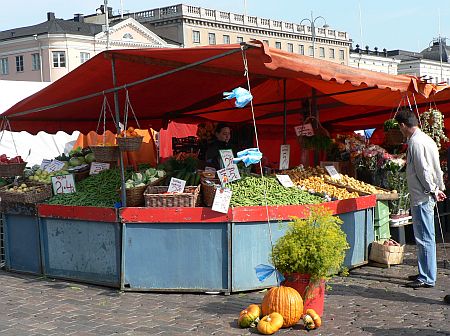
(183,246)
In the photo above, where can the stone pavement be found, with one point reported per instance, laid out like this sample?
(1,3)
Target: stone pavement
(371,301)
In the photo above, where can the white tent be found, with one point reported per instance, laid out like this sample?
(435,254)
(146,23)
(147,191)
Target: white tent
(32,148)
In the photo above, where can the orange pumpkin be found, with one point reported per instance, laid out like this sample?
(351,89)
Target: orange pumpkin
(249,316)
(286,301)
(270,324)
(311,319)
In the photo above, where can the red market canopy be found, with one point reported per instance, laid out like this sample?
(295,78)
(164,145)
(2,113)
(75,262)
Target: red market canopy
(187,85)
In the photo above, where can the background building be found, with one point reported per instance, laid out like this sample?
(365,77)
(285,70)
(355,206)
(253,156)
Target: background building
(192,26)
(47,51)
(373,60)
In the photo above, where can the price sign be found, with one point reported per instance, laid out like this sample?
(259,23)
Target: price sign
(333,172)
(229,174)
(176,185)
(305,129)
(227,157)
(222,200)
(63,184)
(285,152)
(285,181)
(53,166)
(44,163)
(97,167)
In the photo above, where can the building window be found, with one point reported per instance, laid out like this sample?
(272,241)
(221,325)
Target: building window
(19,63)
(195,36)
(35,62)
(322,52)
(59,59)
(240,39)
(332,53)
(311,51)
(226,39)
(84,56)
(301,49)
(290,47)
(4,68)
(278,45)
(211,38)
(341,54)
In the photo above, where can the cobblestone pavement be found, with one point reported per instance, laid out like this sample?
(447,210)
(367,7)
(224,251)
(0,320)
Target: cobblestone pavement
(371,301)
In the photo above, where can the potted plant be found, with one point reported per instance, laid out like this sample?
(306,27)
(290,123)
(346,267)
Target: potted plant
(433,125)
(392,133)
(311,251)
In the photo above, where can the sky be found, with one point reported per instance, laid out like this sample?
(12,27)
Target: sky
(391,24)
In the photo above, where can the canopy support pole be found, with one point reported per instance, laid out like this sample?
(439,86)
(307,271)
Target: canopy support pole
(284,113)
(315,113)
(123,192)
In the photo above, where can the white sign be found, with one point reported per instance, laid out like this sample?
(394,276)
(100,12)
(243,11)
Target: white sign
(222,200)
(176,185)
(54,166)
(97,167)
(45,163)
(285,181)
(333,172)
(229,174)
(285,152)
(63,184)
(305,129)
(227,157)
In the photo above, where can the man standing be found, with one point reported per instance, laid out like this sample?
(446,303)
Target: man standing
(425,186)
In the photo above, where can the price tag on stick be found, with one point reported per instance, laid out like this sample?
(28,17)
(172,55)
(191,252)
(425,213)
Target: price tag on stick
(285,151)
(227,157)
(305,129)
(54,166)
(285,181)
(229,174)
(222,200)
(97,167)
(333,172)
(45,163)
(63,184)
(176,185)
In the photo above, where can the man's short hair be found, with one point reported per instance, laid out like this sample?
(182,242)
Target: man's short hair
(407,117)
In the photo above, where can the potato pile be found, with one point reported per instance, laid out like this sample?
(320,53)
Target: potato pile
(318,184)
(347,181)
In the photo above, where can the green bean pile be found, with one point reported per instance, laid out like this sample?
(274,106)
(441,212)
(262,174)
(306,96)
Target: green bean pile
(250,191)
(96,190)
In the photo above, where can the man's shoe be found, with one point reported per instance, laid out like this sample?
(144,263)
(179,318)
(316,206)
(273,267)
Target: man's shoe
(447,299)
(413,277)
(418,284)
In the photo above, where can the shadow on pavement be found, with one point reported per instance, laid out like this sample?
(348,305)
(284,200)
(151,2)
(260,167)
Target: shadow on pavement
(404,331)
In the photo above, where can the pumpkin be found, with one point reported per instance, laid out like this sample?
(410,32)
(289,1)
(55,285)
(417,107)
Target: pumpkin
(286,301)
(270,324)
(249,316)
(311,319)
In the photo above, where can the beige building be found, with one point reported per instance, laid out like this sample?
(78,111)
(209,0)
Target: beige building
(192,26)
(47,51)
(373,60)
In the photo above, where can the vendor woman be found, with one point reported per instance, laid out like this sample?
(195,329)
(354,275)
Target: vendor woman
(222,136)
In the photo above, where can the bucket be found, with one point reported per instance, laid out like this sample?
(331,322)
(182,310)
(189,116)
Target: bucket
(313,296)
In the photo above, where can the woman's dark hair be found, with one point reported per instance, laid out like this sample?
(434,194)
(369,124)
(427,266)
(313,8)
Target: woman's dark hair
(407,117)
(220,127)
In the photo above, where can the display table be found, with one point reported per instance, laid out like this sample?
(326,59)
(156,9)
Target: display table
(174,249)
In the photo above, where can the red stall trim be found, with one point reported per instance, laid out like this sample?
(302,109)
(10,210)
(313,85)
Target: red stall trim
(285,212)
(172,215)
(94,214)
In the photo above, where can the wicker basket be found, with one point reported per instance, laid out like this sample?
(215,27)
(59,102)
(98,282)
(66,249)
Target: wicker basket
(130,144)
(393,137)
(386,254)
(208,189)
(105,153)
(12,169)
(135,196)
(41,193)
(154,197)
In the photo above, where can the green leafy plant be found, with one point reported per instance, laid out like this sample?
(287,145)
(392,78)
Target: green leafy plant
(317,141)
(315,245)
(433,125)
(390,124)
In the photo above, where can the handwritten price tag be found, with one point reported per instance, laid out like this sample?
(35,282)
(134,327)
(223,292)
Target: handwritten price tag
(229,174)
(305,129)
(63,184)
(97,167)
(333,172)
(227,157)
(285,152)
(54,166)
(222,200)
(285,181)
(45,163)
(176,185)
